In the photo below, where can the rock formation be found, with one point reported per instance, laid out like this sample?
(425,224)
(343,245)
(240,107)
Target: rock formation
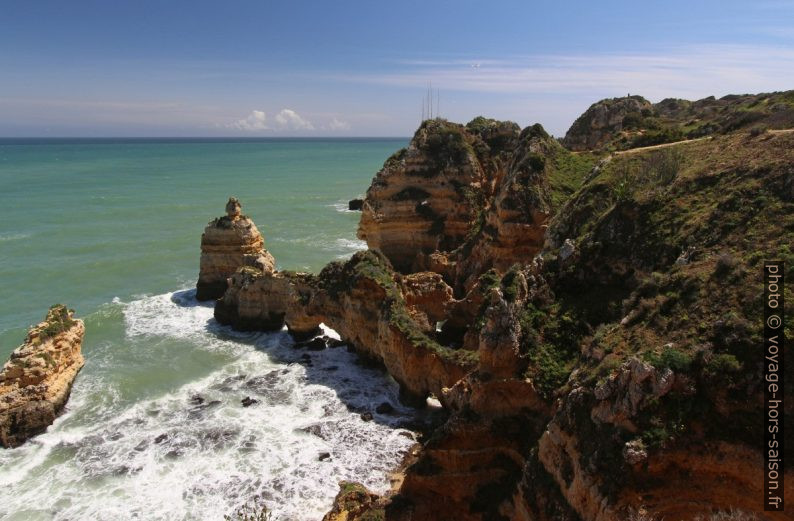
(37,379)
(589,372)
(622,123)
(228,243)
(421,201)
(386,318)
(603,120)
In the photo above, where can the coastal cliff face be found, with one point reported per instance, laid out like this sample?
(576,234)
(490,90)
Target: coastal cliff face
(37,379)
(385,317)
(593,334)
(228,243)
(463,199)
(423,199)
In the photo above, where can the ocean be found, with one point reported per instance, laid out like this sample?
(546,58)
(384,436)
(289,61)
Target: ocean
(155,428)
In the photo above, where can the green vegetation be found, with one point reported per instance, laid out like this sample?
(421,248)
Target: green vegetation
(722,206)
(673,120)
(567,173)
(445,143)
(58,320)
(670,358)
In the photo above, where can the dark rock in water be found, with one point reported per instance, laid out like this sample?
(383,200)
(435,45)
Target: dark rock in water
(306,357)
(332,342)
(355,205)
(161,438)
(196,399)
(324,456)
(331,368)
(318,344)
(248,401)
(384,408)
(173,454)
(141,446)
(315,344)
(198,410)
(366,416)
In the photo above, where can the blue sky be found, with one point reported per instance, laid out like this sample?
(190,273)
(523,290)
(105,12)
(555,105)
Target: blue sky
(258,68)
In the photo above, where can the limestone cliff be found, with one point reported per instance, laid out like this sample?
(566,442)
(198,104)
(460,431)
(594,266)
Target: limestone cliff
(385,317)
(37,379)
(422,199)
(228,243)
(593,333)
(463,199)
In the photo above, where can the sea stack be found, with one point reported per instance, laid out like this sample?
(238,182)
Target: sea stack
(37,379)
(228,243)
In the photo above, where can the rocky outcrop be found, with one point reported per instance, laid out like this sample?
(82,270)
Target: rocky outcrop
(387,318)
(588,373)
(631,122)
(602,121)
(463,199)
(355,503)
(228,243)
(512,225)
(427,196)
(37,379)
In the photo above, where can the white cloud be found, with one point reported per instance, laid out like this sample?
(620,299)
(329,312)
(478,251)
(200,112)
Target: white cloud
(255,121)
(288,119)
(337,124)
(284,120)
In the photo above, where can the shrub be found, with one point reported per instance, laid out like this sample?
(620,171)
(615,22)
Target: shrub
(669,358)
(724,363)
(658,137)
(725,264)
(757,131)
(624,187)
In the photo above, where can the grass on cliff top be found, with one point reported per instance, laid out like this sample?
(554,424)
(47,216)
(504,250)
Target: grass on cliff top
(59,319)
(673,120)
(726,204)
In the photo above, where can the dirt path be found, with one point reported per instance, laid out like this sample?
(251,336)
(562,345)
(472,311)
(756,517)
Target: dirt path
(666,145)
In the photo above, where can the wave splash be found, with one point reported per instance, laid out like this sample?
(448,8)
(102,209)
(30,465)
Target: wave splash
(192,450)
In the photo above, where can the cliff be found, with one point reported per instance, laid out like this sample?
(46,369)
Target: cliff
(228,243)
(37,379)
(630,122)
(589,321)
(463,199)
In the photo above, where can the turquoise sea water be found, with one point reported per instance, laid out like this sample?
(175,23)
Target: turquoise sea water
(112,229)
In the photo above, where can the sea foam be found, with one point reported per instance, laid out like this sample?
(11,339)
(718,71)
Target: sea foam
(193,451)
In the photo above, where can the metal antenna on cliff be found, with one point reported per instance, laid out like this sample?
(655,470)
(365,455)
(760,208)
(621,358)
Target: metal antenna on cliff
(430,96)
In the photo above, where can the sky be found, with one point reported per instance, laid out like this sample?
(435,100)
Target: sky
(260,68)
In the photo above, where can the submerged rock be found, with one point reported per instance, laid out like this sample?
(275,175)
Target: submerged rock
(228,243)
(36,381)
(248,401)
